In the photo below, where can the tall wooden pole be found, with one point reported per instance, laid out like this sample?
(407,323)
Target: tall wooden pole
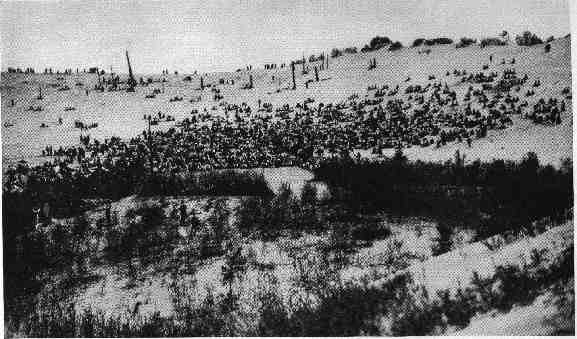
(131,80)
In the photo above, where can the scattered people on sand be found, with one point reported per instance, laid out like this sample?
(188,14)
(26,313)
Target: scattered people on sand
(429,114)
(84,126)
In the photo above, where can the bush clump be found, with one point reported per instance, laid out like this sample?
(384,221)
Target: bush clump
(438,41)
(528,39)
(418,42)
(376,43)
(431,42)
(350,50)
(492,42)
(395,46)
(335,53)
(497,196)
(465,42)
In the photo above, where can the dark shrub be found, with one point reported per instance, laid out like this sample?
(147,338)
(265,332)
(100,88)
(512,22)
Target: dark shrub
(379,42)
(416,320)
(252,214)
(376,43)
(308,207)
(344,311)
(528,39)
(492,197)
(492,42)
(365,49)
(465,42)
(335,53)
(418,42)
(274,318)
(438,41)
(396,46)
(460,309)
(444,242)
(350,50)
(370,230)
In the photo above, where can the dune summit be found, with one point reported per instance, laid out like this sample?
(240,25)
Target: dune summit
(120,114)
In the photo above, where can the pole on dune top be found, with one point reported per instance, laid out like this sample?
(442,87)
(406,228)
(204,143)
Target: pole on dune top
(131,80)
(293,72)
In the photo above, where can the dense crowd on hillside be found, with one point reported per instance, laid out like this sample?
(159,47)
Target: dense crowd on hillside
(264,136)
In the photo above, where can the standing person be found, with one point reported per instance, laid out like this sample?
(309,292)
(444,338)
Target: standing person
(182,213)
(491,58)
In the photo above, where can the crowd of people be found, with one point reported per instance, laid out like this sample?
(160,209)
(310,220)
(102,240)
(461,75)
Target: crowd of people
(249,137)
(547,112)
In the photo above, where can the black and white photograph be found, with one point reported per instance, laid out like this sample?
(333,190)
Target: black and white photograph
(300,168)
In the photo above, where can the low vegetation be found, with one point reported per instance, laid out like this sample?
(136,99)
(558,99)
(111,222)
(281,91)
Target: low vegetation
(335,52)
(376,43)
(486,42)
(66,195)
(432,42)
(398,307)
(465,42)
(528,39)
(395,46)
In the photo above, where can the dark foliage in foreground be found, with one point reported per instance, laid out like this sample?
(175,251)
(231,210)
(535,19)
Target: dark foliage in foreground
(226,182)
(65,193)
(492,197)
(271,217)
(342,310)
(500,195)
(26,254)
